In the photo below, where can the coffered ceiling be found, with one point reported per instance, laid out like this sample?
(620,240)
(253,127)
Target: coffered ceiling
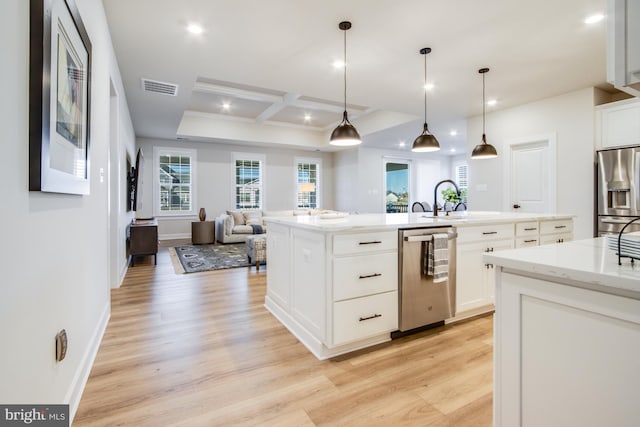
(261,71)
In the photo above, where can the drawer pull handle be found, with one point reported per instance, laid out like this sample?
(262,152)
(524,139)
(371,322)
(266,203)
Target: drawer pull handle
(530,229)
(561,226)
(530,241)
(370,275)
(374,242)
(489,232)
(362,319)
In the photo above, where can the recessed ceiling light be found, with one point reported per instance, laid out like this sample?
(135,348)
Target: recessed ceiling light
(453,150)
(401,144)
(492,102)
(429,86)
(195,29)
(453,133)
(307,117)
(594,18)
(337,64)
(226,106)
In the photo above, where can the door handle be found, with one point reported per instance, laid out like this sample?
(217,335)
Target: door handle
(516,206)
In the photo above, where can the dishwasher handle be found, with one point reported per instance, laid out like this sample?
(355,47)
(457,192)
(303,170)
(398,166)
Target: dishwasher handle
(427,237)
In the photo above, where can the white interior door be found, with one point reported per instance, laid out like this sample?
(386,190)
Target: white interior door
(530,175)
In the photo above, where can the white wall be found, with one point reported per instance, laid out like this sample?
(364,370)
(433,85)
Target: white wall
(55,253)
(214,184)
(571,117)
(360,177)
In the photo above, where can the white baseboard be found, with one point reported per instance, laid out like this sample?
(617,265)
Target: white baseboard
(174,236)
(82,374)
(124,267)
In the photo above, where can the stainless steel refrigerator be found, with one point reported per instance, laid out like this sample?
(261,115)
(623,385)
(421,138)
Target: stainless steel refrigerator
(618,189)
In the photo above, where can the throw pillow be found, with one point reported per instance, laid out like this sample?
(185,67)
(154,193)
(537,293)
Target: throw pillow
(229,223)
(238,218)
(253,218)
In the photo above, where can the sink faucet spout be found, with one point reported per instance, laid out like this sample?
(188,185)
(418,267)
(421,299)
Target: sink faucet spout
(435,194)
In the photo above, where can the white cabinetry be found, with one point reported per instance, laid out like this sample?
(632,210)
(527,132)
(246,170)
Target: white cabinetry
(557,231)
(365,286)
(618,124)
(474,281)
(623,45)
(564,355)
(336,292)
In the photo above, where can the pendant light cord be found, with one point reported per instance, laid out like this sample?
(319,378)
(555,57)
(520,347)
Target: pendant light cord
(425,88)
(483,105)
(345,71)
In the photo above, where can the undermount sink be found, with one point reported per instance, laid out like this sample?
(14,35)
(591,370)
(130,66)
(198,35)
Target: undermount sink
(445,218)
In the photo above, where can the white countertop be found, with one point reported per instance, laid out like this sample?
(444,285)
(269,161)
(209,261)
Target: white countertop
(586,263)
(406,220)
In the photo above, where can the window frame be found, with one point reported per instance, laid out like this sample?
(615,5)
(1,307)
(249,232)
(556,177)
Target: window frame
(310,161)
(457,179)
(172,151)
(261,158)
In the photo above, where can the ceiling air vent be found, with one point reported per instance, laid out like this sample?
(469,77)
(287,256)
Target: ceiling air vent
(159,87)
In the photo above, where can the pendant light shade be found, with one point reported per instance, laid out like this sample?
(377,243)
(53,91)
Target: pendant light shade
(425,142)
(345,134)
(484,150)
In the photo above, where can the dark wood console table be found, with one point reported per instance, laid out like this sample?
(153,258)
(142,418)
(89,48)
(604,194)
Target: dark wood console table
(143,238)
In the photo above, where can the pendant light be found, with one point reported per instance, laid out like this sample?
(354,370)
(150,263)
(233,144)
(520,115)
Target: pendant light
(345,134)
(426,142)
(484,150)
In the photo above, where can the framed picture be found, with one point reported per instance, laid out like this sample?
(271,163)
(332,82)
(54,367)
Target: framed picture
(59,98)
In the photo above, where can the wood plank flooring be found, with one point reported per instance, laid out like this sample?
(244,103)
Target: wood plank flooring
(201,350)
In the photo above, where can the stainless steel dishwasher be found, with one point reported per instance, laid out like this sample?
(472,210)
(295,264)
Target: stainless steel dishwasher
(422,301)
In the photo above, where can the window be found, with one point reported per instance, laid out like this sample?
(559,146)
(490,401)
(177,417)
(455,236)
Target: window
(173,181)
(307,183)
(248,178)
(462,179)
(396,175)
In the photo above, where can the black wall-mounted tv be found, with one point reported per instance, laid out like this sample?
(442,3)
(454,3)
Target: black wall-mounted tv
(134,177)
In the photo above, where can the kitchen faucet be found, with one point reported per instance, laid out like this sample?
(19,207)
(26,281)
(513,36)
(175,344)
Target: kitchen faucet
(435,194)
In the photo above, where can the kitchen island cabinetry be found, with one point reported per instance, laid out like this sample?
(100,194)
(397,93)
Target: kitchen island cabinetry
(340,292)
(474,287)
(567,336)
(334,282)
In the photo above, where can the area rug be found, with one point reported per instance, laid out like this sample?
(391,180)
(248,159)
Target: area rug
(195,258)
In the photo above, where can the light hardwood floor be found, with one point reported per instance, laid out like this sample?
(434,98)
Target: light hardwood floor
(201,350)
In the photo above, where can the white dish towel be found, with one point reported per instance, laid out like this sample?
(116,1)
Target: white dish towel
(438,249)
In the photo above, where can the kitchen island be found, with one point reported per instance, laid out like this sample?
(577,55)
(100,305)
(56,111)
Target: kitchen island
(316,266)
(567,336)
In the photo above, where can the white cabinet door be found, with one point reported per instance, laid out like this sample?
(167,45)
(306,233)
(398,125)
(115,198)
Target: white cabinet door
(279,273)
(471,277)
(491,278)
(619,124)
(475,278)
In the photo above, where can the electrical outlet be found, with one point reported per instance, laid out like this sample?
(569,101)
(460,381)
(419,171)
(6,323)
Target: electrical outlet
(61,345)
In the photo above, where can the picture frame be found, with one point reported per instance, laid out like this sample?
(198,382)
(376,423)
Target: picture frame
(59,98)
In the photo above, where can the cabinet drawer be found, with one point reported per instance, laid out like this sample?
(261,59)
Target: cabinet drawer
(361,318)
(527,229)
(523,242)
(364,275)
(556,226)
(365,242)
(485,232)
(556,238)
